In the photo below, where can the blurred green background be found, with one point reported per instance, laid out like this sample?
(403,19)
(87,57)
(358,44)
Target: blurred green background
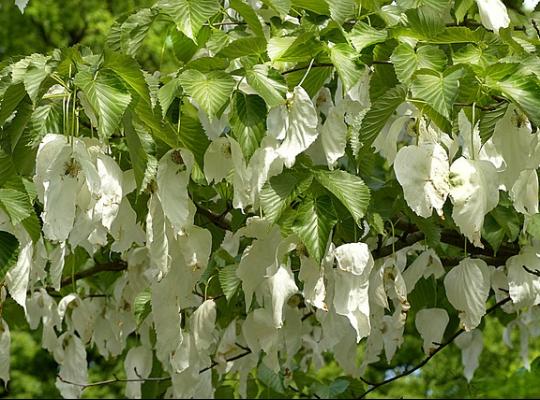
(49,24)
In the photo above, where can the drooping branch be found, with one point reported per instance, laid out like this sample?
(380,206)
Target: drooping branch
(375,386)
(154,379)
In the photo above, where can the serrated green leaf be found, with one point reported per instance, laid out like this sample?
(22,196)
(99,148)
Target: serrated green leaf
(139,145)
(189,15)
(270,379)
(192,135)
(243,47)
(407,60)
(130,72)
(278,193)
(349,189)
(142,305)
(303,48)
(381,109)
(229,281)
(524,90)
(438,90)
(341,10)
(16,204)
(248,122)
(332,390)
(10,100)
(282,7)
(249,16)
(108,97)
(9,250)
(211,91)
(129,35)
(425,22)
(315,219)
(489,119)
(268,83)
(312,82)
(461,8)
(345,59)
(533,226)
(320,7)
(363,35)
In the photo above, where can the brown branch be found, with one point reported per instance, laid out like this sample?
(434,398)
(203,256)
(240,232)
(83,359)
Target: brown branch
(98,268)
(428,358)
(217,219)
(155,379)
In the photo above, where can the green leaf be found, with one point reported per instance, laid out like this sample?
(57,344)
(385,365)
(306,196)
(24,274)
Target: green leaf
(229,281)
(9,251)
(16,204)
(332,390)
(315,219)
(10,101)
(457,34)
(317,6)
(341,10)
(312,82)
(108,97)
(129,71)
(139,145)
(524,90)
(189,15)
(168,93)
(425,22)
(489,119)
(533,226)
(192,135)
(349,189)
(211,90)
(142,305)
(438,90)
(270,379)
(344,58)
(381,109)
(282,7)
(461,8)
(248,122)
(128,36)
(406,60)
(249,16)
(268,83)
(278,193)
(243,47)
(303,48)
(363,35)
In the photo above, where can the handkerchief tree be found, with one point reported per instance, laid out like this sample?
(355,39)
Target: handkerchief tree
(305,181)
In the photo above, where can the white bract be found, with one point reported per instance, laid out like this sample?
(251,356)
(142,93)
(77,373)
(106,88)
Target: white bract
(431,323)
(474,192)
(422,171)
(493,14)
(295,124)
(467,288)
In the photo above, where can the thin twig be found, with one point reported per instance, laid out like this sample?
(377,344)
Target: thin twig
(428,358)
(155,379)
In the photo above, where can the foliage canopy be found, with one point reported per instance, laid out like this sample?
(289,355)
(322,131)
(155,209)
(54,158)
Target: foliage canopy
(288,183)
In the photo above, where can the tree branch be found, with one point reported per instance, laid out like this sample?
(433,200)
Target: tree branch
(155,379)
(217,219)
(110,266)
(375,386)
